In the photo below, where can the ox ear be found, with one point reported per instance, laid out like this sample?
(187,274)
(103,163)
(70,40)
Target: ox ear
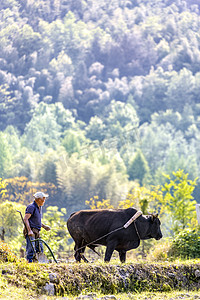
(153,216)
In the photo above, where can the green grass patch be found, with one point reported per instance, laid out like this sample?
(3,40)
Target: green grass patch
(75,279)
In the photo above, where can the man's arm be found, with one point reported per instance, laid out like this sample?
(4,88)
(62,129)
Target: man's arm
(26,221)
(46,227)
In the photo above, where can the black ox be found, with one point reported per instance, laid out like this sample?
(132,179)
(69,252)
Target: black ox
(105,227)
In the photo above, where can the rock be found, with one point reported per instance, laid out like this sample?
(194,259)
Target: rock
(171,275)
(85,297)
(49,289)
(53,278)
(197,273)
(111,297)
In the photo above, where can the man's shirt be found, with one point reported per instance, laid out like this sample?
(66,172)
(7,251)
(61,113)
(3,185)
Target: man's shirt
(35,219)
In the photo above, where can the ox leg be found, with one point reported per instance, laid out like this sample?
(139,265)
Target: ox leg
(84,258)
(77,254)
(109,251)
(79,250)
(122,256)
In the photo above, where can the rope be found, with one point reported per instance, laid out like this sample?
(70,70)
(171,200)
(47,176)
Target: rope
(100,238)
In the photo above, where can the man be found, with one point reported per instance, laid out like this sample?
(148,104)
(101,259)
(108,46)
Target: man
(33,223)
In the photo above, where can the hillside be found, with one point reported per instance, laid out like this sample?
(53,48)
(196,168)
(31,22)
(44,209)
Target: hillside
(95,96)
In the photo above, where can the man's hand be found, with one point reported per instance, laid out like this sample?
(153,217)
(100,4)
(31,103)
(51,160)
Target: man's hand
(46,227)
(30,233)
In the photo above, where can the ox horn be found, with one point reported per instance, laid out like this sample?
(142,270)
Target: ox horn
(153,216)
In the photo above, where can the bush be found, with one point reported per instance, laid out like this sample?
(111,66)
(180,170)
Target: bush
(159,252)
(186,244)
(6,254)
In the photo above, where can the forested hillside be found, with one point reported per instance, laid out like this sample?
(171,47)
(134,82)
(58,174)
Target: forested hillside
(97,95)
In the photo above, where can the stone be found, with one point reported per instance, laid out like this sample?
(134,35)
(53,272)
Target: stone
(85,297)
(53,278)
(197,273)
(111,297)
(49,289)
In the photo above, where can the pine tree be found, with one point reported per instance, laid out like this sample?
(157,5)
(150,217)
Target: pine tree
(138,169)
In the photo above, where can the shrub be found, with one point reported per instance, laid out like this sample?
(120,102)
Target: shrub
(6,254)
(186,244)
(159,252)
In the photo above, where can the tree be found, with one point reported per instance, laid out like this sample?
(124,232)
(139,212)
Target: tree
(180,90)
(3,190)
(46,172)
(178,201)
(71,142)
(120,119)
(21,190)
(80,179)
(95,203)
(144,199)
(46,126)
(57,237)
(7,107)
(27,40)
(11,224)
(138,169)
(12,137)
(96,129)
(5,156)
(37,135)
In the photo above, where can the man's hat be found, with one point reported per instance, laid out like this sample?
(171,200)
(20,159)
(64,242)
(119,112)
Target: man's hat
(40,195)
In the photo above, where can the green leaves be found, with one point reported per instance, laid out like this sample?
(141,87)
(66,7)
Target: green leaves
(57,237)
(138,168)
(178,200)
(5,156)
(11,226)
(186,244)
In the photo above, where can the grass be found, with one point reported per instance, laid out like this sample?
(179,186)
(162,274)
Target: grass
(7,291)
(20,280)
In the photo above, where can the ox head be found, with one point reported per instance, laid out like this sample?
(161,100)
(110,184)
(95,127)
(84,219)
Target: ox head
(155,230)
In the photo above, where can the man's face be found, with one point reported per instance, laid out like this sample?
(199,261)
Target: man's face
(41,201)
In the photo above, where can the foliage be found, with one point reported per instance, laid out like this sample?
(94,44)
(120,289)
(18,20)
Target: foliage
(186,244)
(84,85)
(142,199)
(37,135)
(21,190)
(3,190)
(11,224)
(178,201)
(95,203)
(81,179)
(160,252)
(6,254)
(57,237)
(138,169)
(5,156)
